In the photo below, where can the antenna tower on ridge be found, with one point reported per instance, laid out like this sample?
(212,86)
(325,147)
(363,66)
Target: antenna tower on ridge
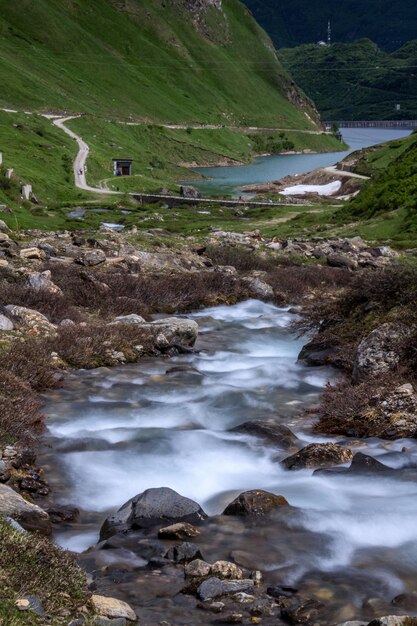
(329,33)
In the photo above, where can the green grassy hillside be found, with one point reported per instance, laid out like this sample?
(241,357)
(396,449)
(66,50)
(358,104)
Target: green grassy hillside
(176,61)
(356,81)
(389,200)
(295,22)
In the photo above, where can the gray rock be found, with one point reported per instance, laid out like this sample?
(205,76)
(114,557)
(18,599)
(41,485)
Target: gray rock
(183,553)
(361,464)
(150,508)
(30,516)
(379,352)
(29,319)
(173,331)
(129,319)
(259,287)
(66,323)
(255,502)
(213,588)
(226,570)
(181,530)
(90,258)
(187,191)
(197,569)
(3,226)
(50,251)
(30,603)
(390,620)
(5,323)
(41,281)
(111,607)
(354,623)
(341,260)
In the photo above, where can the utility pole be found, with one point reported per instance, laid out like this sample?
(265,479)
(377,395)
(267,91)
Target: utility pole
(329,33)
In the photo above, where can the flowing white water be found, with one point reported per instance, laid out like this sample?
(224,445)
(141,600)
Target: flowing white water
(167,423)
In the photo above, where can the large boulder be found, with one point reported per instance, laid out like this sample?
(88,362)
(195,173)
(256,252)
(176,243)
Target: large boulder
(270,431)
(5,323)
(129,319)
(187,191)
(150,508)
(361,464)
(379,352)
(112,608)
(318,455)
(90,258)
(173,331)
(29,319)
(213,588)
(342,260)
(30,516)
(41,281)
(255,502)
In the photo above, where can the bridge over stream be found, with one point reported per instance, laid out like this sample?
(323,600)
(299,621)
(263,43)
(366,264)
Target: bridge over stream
(173,201)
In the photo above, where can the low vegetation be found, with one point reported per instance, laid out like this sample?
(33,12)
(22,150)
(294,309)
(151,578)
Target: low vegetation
(369,300)
(41,570)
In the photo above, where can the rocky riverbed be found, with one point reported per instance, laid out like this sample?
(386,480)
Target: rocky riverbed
(260,552)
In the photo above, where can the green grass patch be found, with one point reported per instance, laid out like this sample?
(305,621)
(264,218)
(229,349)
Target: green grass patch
(32,565)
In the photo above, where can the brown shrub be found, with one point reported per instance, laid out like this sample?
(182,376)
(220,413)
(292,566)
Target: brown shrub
(369,299)
(349,409)
(20,416)
(295,282)
(242,259)
(118,292)
(30,362)
(92,346)
(55,307)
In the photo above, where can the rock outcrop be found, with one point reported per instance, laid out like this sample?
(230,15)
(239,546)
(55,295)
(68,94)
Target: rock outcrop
(28,515)
(379,352)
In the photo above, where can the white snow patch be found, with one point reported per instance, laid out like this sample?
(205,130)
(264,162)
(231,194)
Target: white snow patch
(322,190)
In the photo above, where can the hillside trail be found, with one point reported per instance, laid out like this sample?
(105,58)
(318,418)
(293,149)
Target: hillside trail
(80,161)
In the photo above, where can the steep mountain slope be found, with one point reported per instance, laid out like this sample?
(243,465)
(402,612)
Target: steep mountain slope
(294,22)
(155,60)
(358,80)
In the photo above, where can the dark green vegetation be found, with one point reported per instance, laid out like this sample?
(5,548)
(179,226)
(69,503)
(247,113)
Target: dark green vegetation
(356,81)
(392,192)
(179,61)
(294,22)
(43,570)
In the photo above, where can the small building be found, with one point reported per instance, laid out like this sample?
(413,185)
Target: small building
(122,167)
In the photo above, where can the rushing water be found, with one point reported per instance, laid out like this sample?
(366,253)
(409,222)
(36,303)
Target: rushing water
(229,180)
(116,432)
